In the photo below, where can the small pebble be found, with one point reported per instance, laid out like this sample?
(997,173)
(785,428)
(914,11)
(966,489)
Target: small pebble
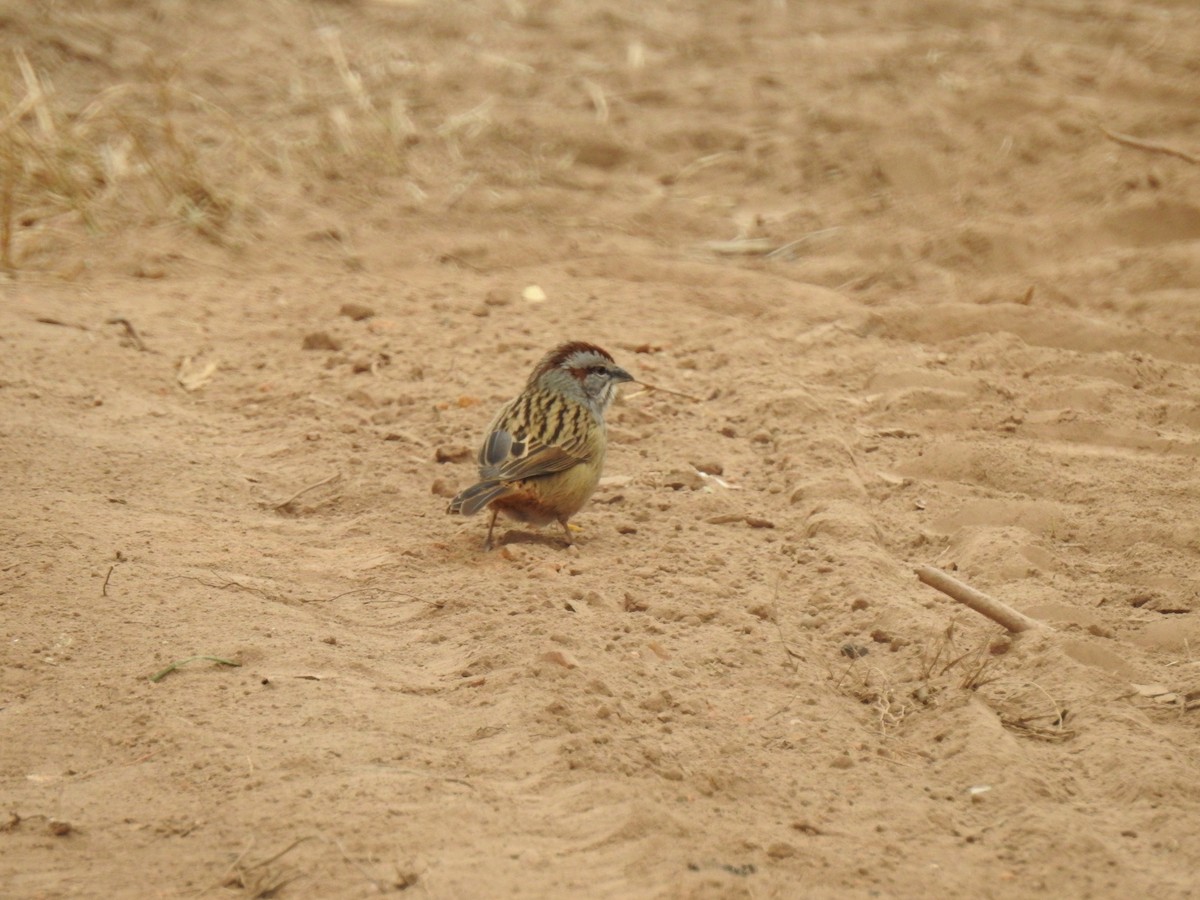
(356,311)
(682,479)
(59,828)
(560,658)
(321,340)
(497,297)
(454,453)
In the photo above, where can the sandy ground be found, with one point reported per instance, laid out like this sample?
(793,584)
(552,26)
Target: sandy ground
(933,314)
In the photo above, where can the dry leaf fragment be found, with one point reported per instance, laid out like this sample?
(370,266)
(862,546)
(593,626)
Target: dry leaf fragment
(194,373)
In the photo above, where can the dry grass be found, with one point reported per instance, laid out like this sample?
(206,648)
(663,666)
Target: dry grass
(134,153)
(947,668)
(151,150)
(168,141)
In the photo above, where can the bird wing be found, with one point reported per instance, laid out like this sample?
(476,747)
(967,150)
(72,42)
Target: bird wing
(527,459)
(512,452)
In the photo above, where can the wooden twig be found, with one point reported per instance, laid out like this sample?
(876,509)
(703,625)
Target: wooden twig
(104,587)
(312,487)
(994,609)
(49,320)
(159,676)
(130,331)
(662,390)
(1128,140)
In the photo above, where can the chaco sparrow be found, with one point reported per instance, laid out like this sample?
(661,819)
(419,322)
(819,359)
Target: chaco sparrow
(544,451)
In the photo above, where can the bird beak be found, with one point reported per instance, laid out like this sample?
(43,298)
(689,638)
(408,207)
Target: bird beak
(619,375)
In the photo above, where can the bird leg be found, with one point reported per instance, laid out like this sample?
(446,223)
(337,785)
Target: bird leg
(487,544)
(567,531)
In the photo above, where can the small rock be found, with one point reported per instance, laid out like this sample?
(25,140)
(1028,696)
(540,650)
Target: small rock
(455,453)
(725,519)
(755,522)
(626,529)
(1000,646)
(497,297)
(560,658)
(59,828)
(634,604)
(859,603)
(682,479)
(321,340)
(781,850)
(842,762)
(854,651)
(356,311)
(880,636)
(440,488)
(709,468)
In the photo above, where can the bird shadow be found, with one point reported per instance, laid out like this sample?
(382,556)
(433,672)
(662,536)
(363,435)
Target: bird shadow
(517,536)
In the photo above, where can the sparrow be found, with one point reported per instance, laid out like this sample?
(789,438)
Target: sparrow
(544,451)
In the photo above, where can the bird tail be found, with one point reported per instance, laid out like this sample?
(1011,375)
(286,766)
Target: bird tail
(476,497)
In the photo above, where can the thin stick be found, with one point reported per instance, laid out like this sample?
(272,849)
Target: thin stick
(1129,140)
(655,387)
(312,487)
(129,330)
(47,320)
(284,852)
(220,882)
(380,590)
(998,612)
(159,676)
(104,587)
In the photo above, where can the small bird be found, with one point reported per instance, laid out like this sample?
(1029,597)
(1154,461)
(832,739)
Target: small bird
(544,451)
